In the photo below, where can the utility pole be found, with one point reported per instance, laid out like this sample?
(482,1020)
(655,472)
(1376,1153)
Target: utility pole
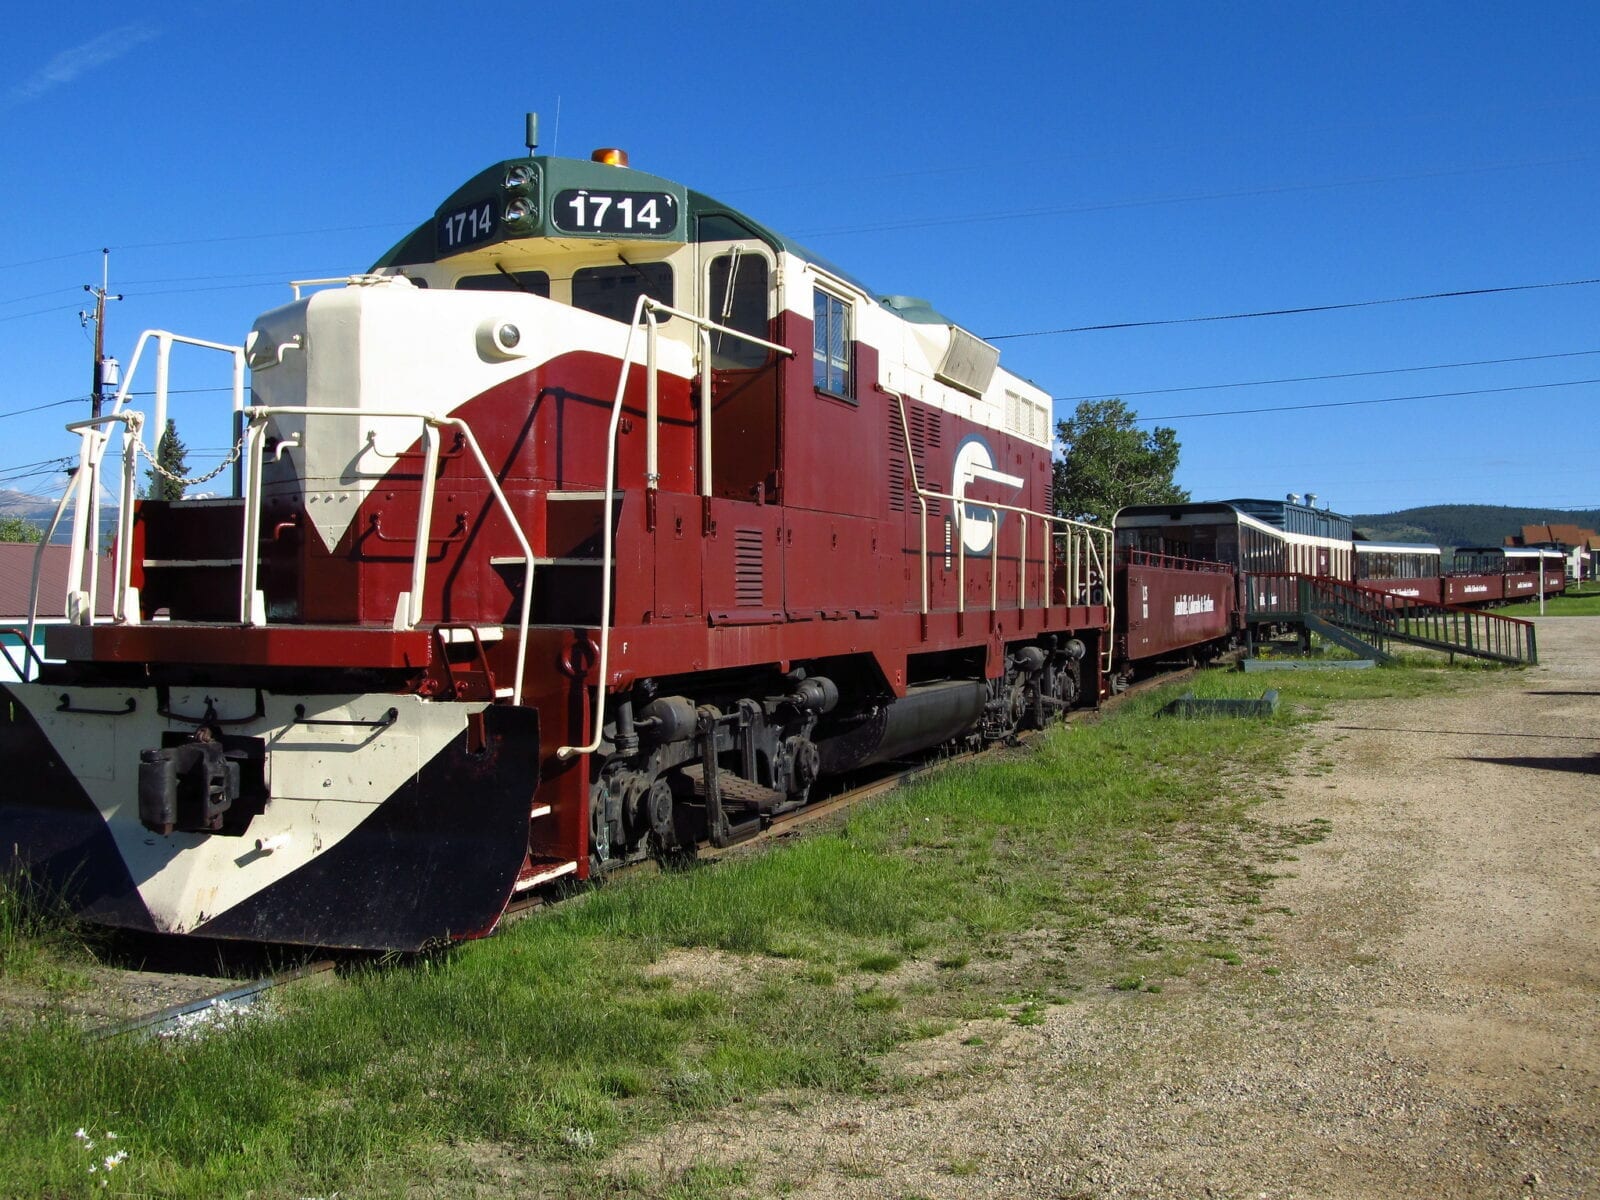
(101,295)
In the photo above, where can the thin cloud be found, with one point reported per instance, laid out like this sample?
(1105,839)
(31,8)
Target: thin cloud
(70,64)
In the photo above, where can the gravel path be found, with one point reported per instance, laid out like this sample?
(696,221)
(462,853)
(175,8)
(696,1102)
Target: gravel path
(1425,1022)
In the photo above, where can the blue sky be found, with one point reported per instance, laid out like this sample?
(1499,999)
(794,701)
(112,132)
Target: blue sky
(1026,167)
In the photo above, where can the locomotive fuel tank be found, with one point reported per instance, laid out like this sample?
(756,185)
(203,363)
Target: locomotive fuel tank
(927,715)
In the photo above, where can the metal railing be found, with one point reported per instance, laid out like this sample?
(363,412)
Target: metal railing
(646,313)
(1380,617)
(84,491)
(83,564)
(1085,549)
(1150,558)
(408,608)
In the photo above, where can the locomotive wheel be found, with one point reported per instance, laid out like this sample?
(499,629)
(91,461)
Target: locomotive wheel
(677,844)
(600,860)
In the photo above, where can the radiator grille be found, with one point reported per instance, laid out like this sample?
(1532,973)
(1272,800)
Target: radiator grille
(897,461)
(749,585)
(926,436)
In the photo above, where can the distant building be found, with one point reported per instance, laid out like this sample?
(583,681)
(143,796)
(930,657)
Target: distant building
(1581,546)
(16,585)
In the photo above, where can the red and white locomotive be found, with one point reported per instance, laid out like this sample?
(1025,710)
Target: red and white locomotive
(596,519)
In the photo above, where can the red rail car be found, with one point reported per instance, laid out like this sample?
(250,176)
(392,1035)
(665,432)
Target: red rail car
(1502,574)
(1401,569)
(1169,607)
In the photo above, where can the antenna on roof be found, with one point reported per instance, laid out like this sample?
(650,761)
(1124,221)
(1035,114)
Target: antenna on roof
(531,137)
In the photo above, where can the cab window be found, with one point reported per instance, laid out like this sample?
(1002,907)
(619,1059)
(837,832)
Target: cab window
(832,345)
(739,301)
(613,291)
(535,282)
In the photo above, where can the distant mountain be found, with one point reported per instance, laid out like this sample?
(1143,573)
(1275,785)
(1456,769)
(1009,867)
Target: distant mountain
(40,509)
(20,504)
(1452,525)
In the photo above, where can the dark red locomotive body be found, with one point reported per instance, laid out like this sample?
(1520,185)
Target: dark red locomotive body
(596,520)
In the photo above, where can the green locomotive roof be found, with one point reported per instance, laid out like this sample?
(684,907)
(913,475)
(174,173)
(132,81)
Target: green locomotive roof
(488,203)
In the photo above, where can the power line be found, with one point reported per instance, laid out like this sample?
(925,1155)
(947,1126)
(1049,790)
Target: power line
(1209,387)
(37,295)
(234,237)
(39,312)
(49,466)
(17,412)
(1235,412)
(1289,312)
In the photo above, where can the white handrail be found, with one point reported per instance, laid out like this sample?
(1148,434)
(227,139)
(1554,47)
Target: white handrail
(86,482)
(652,472)
(1090,535)
(84,532)
(251,612)
(644,305)
(345,280)
(705,408)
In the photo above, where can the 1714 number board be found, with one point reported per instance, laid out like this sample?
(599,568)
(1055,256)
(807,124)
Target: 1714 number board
(584,210)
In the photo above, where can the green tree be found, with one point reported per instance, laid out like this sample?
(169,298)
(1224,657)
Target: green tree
(171,455)
(1109,463)
(19,529)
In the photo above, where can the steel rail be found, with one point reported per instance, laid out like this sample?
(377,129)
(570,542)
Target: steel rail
(169,1019)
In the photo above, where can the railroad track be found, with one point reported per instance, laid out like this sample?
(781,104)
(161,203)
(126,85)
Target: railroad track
(208,1010)
(212,1010)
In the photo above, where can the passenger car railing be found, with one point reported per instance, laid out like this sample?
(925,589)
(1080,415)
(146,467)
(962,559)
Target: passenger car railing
(1150,558)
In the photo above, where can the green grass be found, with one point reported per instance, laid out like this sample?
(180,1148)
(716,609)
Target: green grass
(1576,602)
(39,942)
(1088,861)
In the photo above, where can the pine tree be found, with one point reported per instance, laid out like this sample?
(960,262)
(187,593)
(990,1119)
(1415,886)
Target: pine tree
(171,456)
(1109,463)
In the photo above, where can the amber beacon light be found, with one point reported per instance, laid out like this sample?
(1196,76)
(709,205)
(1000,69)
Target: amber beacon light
(611,156)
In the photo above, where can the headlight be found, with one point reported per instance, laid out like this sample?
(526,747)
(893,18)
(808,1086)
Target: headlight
(519,209)
(519,176)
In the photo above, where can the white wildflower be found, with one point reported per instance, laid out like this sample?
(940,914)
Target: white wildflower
(115,1160)
(581,1139)
(82,1134)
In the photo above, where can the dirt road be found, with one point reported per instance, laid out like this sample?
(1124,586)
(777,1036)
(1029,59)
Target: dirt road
(1429,1026)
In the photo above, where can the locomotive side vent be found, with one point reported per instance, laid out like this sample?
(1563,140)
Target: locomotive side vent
(897,461)
(748,570)
(1029,419)
(926,436)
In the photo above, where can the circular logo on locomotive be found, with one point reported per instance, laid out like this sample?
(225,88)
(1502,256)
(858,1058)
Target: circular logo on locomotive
(974,463)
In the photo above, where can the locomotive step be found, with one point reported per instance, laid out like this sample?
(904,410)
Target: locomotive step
(460,633)
(738,794)
(537,871)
